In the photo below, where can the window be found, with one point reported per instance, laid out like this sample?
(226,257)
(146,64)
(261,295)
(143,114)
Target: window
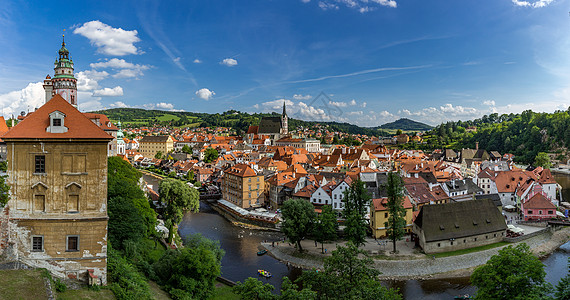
(37,243)
(72,243)
(540,212)
(530,212)
(438,244)
(56,122)
(550,212)
(464,241)
(73,204)
(40,164)
(451,243)
(385,215)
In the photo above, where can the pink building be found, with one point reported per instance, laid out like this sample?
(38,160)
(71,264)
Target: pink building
(538,207)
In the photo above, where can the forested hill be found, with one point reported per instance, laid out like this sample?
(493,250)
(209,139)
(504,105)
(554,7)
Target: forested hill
(406,125)
(240,121)
(523,135)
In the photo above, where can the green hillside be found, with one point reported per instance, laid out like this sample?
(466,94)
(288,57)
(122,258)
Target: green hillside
(239,121)
(406,125)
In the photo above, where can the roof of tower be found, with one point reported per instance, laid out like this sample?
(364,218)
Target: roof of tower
(35,124)
(284,110)
(63,50)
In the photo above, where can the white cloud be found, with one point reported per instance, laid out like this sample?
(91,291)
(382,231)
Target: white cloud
(125,69)
(109,40)
(230,62)
(28,98)
(301,97)
(352,102)
(362,6)
(363,105)
(89,80)
(119,104)
(302,110)
(108,92)
(338,104)
(533,4)
(205,94)
(305,1)
(489,102)
(197,61)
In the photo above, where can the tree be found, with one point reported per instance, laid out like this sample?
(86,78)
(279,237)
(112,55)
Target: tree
(210,155)
(514,273)
(298,219)
(158,155)
(186,149)
(4,187)
(177,197)
(356,201)
(190,176)
(396,211)
(254,289)
(348,275)
(190,272)
(542,160)
(326,226)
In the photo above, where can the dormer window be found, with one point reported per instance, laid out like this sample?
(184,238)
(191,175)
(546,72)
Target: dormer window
(56,122)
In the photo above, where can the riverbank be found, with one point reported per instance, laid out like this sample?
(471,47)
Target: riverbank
(410,263)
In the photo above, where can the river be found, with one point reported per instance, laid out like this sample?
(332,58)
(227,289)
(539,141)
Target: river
(241,260)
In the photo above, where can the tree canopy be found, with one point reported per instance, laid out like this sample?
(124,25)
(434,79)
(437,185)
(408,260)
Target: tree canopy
(210,155)
(396,211)
(356,202)
(542,160)
(298,219)
(177,198)
(326,226)
(514,273)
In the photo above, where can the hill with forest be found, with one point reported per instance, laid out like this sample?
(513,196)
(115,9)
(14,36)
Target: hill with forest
(406,125)
(524,135)
(239,121)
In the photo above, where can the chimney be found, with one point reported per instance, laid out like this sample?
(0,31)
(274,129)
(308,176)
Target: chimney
(476,145)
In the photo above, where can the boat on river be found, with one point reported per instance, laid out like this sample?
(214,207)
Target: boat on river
(263,273)
(463,297)
(261,252)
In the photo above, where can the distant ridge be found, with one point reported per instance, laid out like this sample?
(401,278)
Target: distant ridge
(406,124)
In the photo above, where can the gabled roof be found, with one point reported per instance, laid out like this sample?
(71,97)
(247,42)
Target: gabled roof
(241,170)
(538,201)
(34,125)
(459,219)
(380,203)
(154,139)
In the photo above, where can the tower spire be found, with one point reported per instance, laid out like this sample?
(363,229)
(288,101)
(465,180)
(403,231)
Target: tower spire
(284,110)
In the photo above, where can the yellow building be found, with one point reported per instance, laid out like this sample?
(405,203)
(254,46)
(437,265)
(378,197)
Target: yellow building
(379,216)
(150,145)
(242,186)
(57,170)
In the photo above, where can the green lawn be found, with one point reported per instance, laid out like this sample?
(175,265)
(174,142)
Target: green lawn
(224,292)
(22,284)
(168,117)
(470,250)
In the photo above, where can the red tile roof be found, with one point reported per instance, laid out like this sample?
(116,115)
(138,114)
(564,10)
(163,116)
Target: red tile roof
(539,201)
(34,125)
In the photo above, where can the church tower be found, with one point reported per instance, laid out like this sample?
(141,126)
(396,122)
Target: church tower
(63,82)
(284,119)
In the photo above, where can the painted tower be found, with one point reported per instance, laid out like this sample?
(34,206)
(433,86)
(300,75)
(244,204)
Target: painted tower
(284,119)
(63,82)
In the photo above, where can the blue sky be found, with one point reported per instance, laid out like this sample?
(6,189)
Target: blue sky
(364,62)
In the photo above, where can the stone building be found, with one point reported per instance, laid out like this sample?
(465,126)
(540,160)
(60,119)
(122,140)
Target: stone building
(242,186)
(150,145)
(57,171)
(458,225)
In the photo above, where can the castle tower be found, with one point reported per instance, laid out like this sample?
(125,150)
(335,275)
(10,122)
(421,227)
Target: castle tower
(284,119)
(63,82)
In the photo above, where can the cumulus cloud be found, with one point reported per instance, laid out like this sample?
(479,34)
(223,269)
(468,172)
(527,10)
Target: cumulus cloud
(119,104)
(301,110)
(489,102)
(109,40)
(363,105)
(28,98)
(352,102)
(197,61)
(205,94)
(301,97)
(108,92)
(533,4)
(230,62)
(124,69)
(89,80)
(338,103)
(362,6)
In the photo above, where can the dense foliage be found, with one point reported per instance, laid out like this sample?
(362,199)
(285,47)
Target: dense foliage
(356,201)
(514,273)
(177,198)
(326,226)
(348,274)
(524,135)
(191,271)
(210,155)
(298,220)
(396,211)
(4,187)
(254,289)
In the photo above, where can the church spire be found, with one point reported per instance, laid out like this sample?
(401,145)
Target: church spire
(284,110)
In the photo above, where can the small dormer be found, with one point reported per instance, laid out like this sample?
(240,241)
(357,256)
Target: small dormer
(56,122)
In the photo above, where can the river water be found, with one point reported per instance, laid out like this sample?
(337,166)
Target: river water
(241,260)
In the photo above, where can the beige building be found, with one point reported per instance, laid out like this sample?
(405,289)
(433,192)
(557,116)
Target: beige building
(380,215)
(310,145)
(150,145)
(57,171)
(242,186)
